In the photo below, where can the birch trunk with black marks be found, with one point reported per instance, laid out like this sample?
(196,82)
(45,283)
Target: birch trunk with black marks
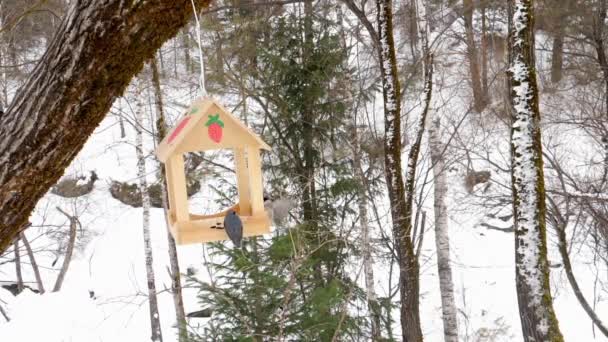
(538,319)
(368,262)
(67,258)
(479,102)
(97,49)
(145,199)
(442,239)
(408,262)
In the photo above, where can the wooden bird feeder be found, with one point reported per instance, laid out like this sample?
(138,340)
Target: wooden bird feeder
(209,126)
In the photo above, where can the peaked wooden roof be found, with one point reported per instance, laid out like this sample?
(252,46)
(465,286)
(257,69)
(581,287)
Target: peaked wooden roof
(207,125)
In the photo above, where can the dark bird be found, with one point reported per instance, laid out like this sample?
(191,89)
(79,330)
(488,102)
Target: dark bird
(234,227)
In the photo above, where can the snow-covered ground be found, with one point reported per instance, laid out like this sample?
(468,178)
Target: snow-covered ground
(112,267)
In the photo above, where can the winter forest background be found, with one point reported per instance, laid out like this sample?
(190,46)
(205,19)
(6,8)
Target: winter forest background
(412,195)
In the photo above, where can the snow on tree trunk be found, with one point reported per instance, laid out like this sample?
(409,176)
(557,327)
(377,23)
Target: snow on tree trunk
(98,48)
(408,262)
(442,240)
(538,319)
(145,198)
(176,283)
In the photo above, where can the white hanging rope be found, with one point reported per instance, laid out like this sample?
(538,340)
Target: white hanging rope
(200,51)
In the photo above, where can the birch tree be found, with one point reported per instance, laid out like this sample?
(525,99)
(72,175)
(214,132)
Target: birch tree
(538,319)
(442,240)
(98,48)
(145,199)
(366,247)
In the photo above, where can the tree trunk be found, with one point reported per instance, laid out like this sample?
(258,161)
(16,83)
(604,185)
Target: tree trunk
(442,239)
(176,282)
(410,175)
(484,54)
(560,226)
(538,319)
(412,14)
(557,54)
(598,37)
(68,251)
(185,35)
(145,198)
(408,263)
(557,13)
(18,266)
(479,103)
(307,180)
(99,46)
(35,269)
(366,247)
(4,314)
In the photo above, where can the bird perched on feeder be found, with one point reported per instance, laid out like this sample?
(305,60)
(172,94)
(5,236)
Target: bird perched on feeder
(234,227)
(278,209)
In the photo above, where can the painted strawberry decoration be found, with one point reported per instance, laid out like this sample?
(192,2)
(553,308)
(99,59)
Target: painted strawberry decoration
(215,128)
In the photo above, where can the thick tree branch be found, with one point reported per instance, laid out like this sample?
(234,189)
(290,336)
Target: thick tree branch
(98,48)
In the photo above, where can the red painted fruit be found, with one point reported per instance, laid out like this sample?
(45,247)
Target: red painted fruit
(215,128)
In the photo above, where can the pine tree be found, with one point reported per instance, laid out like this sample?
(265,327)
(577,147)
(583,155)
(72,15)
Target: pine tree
(294,286)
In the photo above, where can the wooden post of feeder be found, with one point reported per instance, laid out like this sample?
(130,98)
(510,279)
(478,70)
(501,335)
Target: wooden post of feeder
(176,187)
(242,183)
(255,179)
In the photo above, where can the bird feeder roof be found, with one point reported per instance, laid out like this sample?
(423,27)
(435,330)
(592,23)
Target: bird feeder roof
(207,125)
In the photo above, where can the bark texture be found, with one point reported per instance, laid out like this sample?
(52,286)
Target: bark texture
(442,240)
(538,319)
(408,262)
(99,46)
